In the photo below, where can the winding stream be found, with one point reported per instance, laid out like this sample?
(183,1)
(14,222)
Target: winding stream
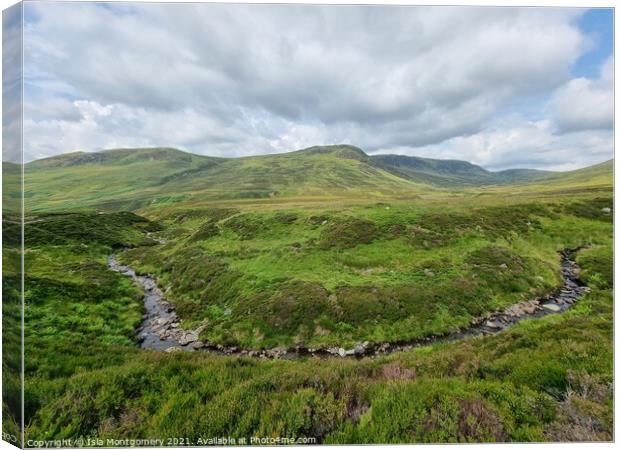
(161,327)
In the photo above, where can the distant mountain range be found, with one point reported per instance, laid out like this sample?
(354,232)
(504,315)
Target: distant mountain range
(132,178)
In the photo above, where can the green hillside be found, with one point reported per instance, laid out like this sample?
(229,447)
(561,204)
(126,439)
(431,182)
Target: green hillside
(453,173)
(322,248)
(597,175)
(133,179)
(436,171)
(130,177)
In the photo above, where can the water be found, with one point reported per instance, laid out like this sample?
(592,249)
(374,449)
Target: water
(161,329)
(160,316)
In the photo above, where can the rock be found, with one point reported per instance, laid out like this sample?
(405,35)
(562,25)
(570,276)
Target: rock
(529,308)
(342,352)
(491,324)
(384,347)
(360,349)
(324,222)
(188,338)
(173,349)
(201,328)
(552,307)
(197,344)
(429,273)
(514,311)
(278,351)
(606,210)
(503,266)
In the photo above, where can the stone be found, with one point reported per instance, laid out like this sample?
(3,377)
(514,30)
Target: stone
(188,338)
(503,266)
(360,349)
(173,349)
(278,351)
(606,210)
(491,324)
(552,307)
(384,347)
(342,352)
(197,344)
(201,328)
(429,273)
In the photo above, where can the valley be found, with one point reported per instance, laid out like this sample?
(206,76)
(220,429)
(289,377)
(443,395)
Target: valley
(321,250)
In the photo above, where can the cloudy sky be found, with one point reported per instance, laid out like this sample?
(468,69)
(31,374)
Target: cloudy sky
(500,87)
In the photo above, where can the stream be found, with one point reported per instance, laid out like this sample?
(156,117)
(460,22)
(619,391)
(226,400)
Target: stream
(161,328)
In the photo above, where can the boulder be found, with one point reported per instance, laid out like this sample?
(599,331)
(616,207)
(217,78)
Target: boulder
(360,349)
(492,324)
(188,338)
(552,307)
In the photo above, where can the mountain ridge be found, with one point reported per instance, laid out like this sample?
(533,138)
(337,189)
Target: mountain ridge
(133,178)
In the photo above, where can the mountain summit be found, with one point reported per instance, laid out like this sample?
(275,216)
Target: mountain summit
(133,178)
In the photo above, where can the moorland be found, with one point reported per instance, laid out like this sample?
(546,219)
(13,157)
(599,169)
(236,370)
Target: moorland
(325,247)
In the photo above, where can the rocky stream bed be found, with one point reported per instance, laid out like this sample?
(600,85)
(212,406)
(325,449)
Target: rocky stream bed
(162,329)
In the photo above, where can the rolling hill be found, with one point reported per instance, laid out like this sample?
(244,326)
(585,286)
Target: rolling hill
(135,178)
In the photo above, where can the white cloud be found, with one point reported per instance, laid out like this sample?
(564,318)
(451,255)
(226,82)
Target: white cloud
(584,104)
(249,79)
(518,142)
(11,84)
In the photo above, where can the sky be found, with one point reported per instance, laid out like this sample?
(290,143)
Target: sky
(499,87)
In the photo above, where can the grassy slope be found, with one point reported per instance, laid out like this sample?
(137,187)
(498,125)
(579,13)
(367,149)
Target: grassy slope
(134,179)
(112,179)
(548,379)
(379,272)
(544,380)
(447,173)
(159,178)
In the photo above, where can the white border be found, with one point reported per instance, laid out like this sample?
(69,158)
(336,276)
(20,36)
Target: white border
(541,3)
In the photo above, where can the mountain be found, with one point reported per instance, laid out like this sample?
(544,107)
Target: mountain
(436,171)
(136,178)
(130,176)
(454,173)
(339,169)
(597,174)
